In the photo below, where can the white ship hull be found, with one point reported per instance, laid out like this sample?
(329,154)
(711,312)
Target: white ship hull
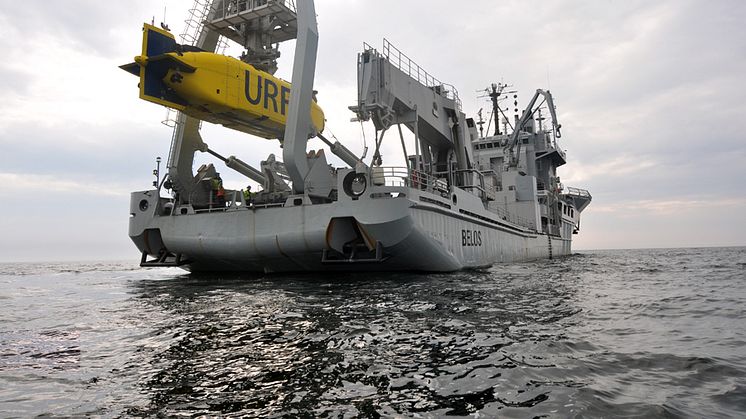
(403,229)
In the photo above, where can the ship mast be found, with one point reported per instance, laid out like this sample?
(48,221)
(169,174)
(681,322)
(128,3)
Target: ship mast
(494,92)
(494,95)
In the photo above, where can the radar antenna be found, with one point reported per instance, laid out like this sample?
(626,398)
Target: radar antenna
(481,122)
(495,92)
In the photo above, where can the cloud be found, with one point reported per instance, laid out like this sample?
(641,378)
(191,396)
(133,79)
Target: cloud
(17,184)
(83,149)
(618,166)
(87,25)
(13,81)
(686,222)
(654,207)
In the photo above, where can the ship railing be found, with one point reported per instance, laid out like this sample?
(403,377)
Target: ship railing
(405,64)
(389,176)
(234,7)
(234,200)
(472,180)
(512,218)
(578,192)
(404,177)
(268,205)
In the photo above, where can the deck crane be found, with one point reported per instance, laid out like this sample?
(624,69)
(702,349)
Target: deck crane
(513,148)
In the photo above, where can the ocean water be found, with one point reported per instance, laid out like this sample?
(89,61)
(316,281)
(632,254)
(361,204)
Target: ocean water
(633,333)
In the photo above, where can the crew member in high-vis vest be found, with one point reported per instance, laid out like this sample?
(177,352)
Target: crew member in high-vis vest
(248,196)
(218,191)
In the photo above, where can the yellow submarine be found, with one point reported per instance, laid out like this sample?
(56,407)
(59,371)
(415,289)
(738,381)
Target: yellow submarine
(213,87)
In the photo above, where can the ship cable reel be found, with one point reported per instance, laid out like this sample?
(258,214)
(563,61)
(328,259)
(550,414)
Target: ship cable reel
(354,184)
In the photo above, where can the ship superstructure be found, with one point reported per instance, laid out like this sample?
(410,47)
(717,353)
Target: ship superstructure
(461,200)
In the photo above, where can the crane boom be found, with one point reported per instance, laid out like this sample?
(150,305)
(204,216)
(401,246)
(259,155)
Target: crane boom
(528,114)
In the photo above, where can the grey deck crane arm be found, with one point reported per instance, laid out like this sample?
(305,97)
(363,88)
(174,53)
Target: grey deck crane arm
(528,114)
(553,111)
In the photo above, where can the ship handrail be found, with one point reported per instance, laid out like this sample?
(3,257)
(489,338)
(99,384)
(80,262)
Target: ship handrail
(389,176)
(235,7)
(484,190)
(490,192)
(268,205)
(578,192)
(403,176)
(505,215)
(210,209)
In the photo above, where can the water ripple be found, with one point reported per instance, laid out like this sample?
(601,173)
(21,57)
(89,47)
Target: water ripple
(624,333)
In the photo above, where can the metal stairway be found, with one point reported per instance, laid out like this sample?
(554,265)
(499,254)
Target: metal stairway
(193,26)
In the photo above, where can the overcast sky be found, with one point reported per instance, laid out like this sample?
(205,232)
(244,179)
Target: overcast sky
(651,96)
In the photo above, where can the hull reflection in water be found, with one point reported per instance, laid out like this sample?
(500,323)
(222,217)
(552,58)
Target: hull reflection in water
(341,344)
